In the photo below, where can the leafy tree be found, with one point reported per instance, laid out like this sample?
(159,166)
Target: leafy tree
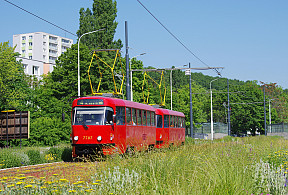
(102,16)
(14,84)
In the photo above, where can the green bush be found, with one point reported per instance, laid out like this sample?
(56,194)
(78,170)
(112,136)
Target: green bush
(9,158)
(35,157)
(67,154)
(56,152)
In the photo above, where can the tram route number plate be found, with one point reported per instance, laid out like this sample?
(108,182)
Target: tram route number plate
(90,102)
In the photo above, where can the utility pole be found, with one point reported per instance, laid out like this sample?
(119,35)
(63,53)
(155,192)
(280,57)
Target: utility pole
(128,94)
(229,123)
(191,106)
(264,111)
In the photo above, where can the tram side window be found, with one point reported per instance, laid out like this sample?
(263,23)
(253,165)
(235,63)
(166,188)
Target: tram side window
(166,121)
(134,118)
(152,119)
(144,117)
(171,121)
(148,118)
(180,120)
(120,115)
(159,121)
(139,118)
(176,121)
(128,116)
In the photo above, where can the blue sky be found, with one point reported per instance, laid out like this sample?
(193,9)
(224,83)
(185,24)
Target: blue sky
(249,38)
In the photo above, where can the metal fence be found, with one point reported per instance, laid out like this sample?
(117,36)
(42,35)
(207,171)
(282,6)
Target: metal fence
(278,128)
(201,129)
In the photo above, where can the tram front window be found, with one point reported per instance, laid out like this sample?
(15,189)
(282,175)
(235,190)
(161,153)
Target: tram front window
(92,116)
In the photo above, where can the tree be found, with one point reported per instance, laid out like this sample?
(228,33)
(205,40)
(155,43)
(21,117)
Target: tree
(102,16)
(14,84)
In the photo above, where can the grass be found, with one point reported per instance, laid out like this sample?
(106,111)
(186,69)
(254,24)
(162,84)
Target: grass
(249,165)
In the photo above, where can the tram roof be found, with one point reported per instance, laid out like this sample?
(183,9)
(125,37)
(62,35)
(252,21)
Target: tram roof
(169,112)
(116,102)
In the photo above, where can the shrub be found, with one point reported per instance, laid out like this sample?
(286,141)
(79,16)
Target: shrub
(56,153)
(67,154)
(10,159)
(34,157)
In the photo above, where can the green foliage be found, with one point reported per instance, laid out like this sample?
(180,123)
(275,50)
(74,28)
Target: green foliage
(67,154)
(13,158)
(34,157)
(49,131)
(14,87)
(102,16)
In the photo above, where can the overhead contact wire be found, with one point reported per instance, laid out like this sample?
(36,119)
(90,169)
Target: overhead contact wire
(176,37)
(40,18)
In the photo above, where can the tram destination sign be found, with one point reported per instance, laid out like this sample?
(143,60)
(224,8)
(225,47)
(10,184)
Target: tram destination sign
(16,127)
(90,102)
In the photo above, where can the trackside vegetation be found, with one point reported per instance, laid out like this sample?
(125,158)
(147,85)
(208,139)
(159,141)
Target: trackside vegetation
(250,165)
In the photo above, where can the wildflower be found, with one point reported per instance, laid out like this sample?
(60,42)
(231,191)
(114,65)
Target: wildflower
(72,191)
(19,183)
(55,174)
(28,186)
(95,183)
(43,187)
(63,180)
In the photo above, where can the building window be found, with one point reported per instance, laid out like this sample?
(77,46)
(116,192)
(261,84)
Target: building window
(23,44)
(44,43)
(23,38)
(30,36)
(25,67)
(30,57)
(23,51)
(44,36)
(35,70)
(30,44)
(44,57)
(65,41)
(53,38)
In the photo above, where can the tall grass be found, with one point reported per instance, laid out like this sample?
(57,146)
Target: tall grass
(200,167)
(253,165)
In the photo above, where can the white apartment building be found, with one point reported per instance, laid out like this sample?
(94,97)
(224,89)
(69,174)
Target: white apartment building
(39,51)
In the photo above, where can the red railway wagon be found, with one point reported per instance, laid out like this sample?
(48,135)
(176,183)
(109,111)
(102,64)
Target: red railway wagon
(107,125)
(170,128)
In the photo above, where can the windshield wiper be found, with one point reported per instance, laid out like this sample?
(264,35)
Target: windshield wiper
(84,125)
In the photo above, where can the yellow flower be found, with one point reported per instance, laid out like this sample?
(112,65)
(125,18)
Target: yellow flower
(72,190)
(43,187)
(55,174)
(19,183)
(95,183)
(63,180)
(28,186)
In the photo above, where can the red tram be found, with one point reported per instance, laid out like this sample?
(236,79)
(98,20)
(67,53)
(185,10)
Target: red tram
(170,128)
(108,125)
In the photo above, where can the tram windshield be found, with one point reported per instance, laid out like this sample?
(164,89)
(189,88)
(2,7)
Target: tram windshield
(93,115)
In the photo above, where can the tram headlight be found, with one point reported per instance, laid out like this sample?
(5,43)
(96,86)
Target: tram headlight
(99,138)
(76,138)
(160,136)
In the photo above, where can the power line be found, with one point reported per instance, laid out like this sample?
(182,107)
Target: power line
(40,18)
(177,38)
